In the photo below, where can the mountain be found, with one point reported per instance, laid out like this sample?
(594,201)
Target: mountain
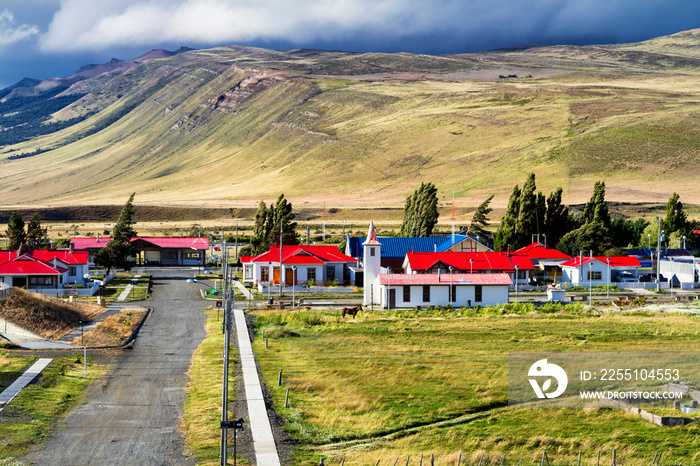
(232,125)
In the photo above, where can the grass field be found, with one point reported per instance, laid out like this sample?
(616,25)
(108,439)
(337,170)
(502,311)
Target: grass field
(401,383)
(33,413)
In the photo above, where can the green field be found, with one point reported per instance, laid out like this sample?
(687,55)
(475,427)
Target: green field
(393,384)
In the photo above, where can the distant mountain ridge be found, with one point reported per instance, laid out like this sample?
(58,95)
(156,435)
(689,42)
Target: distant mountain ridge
(237,124)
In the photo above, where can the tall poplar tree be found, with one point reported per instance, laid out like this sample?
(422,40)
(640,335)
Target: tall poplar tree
(508,229)
(675,220)
(481,219)
(420,214)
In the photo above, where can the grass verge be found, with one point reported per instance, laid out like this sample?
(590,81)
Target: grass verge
(203,404)
(32,415)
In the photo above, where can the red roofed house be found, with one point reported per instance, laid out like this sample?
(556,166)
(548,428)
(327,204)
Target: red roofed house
(470,262)
(72,265)
(429,282)
(299,263)
(152,250)
(27,271)
(585,271)
(545,260)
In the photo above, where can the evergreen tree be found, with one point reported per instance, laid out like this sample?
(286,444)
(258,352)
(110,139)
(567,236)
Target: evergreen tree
(117,252)
(591,236)
(480,219)
(528,221)
(596,210)
(557,220)
(420,213)
(676,219)
(36,235)
(507,231)
(15,233)
(266,231)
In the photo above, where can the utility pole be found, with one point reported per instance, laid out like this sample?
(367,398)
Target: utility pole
(280,281)
(658,257)
(228,306)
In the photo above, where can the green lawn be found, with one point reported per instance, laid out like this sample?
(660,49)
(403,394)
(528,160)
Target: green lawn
(391,384)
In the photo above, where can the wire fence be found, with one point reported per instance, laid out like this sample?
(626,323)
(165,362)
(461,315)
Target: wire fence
(4,290)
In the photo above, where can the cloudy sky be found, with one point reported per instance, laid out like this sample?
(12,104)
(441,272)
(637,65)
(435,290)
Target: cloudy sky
(44,38)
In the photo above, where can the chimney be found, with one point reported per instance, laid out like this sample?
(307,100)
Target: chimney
(434,246)
(98,237)
(70,247)
(439,275)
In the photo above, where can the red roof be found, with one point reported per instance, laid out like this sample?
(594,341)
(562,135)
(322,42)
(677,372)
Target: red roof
(29,265)
(477,261)
(444,279)
(171,243)
(177,242)
(615,261)
(540,251)
(63,255)
(303,254)
(372,236)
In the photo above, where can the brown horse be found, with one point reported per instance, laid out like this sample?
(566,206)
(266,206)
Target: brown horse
(351,311)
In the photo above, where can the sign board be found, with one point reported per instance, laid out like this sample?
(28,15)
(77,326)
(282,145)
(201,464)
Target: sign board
(219,303)
(70,292)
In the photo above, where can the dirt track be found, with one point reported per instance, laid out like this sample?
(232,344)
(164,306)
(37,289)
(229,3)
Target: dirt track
(132,416)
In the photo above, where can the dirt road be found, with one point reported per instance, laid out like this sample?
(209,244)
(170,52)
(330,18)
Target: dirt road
(132,416)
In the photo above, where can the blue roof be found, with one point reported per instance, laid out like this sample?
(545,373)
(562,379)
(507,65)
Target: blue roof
(398,247)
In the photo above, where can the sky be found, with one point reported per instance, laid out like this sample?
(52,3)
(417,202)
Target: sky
(49,38)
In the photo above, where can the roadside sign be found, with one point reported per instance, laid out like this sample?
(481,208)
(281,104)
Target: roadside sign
(219,303)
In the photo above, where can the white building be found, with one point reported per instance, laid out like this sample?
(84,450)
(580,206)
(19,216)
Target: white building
(410,290)
(585,271)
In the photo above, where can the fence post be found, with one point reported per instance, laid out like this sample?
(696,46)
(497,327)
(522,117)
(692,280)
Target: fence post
(654,460)
(614,457)
(521,458)
(409,458)
(286,399)
(459,460)
(579,458)
(598,457)
(321,463)
(397,460)
(421,459)
(279,379)
(432,460)
(481,459)
(503,459)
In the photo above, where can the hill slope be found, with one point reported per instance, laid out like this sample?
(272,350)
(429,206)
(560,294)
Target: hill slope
(232,125)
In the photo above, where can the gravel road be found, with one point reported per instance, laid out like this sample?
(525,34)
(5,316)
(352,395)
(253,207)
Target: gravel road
(132,415)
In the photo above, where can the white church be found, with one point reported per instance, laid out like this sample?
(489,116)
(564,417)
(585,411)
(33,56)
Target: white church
(390,291)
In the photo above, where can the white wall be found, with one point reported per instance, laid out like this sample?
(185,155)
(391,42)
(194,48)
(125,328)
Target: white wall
(573,274)
(491,295)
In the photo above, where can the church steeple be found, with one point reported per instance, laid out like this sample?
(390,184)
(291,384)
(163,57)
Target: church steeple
(372,266)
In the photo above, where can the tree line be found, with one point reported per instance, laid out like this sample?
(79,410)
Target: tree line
(532,216)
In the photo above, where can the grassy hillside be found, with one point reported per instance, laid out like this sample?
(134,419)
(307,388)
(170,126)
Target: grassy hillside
(233,125)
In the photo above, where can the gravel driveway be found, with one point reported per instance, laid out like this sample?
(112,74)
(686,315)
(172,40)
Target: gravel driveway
(132,416)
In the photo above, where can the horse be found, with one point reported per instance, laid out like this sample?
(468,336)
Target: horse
(351,311)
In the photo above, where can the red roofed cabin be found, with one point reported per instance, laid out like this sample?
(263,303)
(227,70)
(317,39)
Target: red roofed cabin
(155,251)
(587,270)
(546,261)
(320,263)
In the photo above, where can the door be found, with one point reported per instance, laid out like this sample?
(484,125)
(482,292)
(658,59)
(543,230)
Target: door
(276,276)
(289,277)
(392,298)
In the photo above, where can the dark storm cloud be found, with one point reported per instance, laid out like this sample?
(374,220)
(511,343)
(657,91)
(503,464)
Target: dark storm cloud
(88,29)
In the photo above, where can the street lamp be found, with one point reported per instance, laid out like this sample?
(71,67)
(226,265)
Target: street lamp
(649,235)
(683,241)
(607,294)
(471,265)
(449,293)
(516,283)
(388,287)
(294,283)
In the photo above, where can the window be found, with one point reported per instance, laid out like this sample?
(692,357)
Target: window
(426,293)
(264,274)
(72,272)
(311,273)
(594,275)
(371,252)
(41,280)
(453,293)
(248,271)
(478,291)
(330,273)
(406,294)
(186,255)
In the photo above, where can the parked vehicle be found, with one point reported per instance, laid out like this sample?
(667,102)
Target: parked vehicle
(626,277)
